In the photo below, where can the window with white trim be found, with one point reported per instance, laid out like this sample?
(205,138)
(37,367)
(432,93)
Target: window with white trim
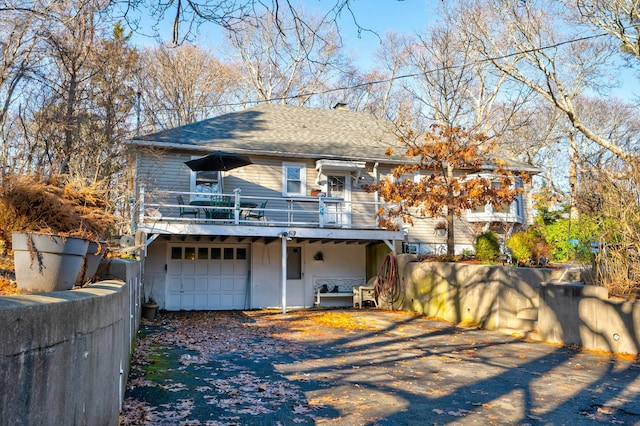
(294,179)
(204,184)
(514,208)
(413,177)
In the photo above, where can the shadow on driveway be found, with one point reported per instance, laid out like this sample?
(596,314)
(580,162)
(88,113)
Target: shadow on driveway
(364,367)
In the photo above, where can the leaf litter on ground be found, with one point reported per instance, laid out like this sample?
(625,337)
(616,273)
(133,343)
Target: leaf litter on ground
(217,350)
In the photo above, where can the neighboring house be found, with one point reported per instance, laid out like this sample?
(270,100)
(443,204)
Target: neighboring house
(267,234)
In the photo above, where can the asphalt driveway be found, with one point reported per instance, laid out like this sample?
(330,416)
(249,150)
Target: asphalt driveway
(365,367)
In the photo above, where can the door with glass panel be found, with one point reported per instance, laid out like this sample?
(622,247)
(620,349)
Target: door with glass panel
(337,206)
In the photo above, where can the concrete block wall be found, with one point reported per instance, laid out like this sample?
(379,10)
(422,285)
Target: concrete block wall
(65,355)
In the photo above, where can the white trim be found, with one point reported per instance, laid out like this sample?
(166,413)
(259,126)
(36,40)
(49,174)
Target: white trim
(303,178)
(192,184)
(338,208)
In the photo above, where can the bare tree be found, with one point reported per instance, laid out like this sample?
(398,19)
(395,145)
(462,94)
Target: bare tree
(78,101)
(111,97)
(619,18)
(184,84)
(524,41)
(283,62)
(70,41)
(17,53)
(188,16)
(378,91)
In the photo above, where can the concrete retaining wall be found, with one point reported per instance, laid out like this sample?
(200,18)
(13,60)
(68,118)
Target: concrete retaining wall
(583,315)
(523,300)
(493,297)
(65,355)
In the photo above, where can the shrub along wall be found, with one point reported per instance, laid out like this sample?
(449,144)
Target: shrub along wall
(512,299)
(65,355)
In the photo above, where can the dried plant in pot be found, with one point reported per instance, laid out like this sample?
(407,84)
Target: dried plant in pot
(95,253)
(50,225)
(47,262)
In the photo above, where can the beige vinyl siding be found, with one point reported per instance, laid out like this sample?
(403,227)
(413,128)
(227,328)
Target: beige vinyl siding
(163,171)
(363,207)
(262,181)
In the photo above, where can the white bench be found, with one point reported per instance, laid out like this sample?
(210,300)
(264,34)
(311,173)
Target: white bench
(335,291)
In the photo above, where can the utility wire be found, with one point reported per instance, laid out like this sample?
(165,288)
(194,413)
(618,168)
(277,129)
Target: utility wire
(403,76)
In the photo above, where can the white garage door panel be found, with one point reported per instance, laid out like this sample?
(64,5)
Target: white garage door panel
(202,277)
(202,285)
(214,286)
(214,301)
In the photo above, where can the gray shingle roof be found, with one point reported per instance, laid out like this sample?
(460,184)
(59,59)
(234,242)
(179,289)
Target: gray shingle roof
(292,131)
(283,129)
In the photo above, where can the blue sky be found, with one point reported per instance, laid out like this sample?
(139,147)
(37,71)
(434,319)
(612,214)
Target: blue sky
(381,16)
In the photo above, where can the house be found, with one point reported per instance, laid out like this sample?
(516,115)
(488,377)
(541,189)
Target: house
(269,233)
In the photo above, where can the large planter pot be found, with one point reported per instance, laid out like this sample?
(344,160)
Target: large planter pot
(47,262)
(95,254)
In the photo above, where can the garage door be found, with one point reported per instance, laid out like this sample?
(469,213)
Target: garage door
(207,277)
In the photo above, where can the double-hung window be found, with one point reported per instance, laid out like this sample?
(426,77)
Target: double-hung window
(293,179)
(203,184)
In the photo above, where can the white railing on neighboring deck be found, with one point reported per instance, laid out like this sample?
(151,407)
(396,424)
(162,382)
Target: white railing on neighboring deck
(233,209)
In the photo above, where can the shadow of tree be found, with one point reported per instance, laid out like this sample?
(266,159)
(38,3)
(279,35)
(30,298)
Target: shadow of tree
(397,369)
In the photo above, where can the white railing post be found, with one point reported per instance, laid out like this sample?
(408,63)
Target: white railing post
(236,205)
(321,210)
(140,205)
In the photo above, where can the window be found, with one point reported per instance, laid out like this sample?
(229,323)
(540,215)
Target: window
(413,177)
(176,253)
(216,253)
(241,253)
(203,253)
(205,183)
(294,179)
(512,210)
(228,253)
(294,263)
(190,253)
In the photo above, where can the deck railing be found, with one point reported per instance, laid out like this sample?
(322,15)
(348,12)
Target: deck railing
(238,209)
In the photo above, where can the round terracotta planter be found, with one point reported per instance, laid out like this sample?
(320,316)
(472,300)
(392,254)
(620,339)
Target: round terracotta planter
(47,262)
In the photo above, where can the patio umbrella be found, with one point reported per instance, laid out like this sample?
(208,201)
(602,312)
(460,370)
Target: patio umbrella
(218,161)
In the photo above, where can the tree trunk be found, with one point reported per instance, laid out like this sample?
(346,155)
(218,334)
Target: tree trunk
(574,212)
(451,247)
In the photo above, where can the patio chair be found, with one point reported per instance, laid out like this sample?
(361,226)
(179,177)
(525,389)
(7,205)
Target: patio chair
(186,212)
(365,294)
(221,208)
(258,213)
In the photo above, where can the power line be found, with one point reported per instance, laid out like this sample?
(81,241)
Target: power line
(405,76)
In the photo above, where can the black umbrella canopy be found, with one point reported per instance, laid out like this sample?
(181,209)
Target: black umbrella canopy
(218,161)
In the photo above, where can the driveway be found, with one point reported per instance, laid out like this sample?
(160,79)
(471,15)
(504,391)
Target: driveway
(365,367)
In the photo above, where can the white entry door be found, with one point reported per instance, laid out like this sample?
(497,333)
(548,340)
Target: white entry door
(207,277)
(337,205)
